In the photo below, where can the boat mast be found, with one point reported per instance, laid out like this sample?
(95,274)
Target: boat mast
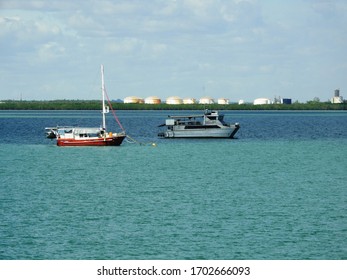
(103,98)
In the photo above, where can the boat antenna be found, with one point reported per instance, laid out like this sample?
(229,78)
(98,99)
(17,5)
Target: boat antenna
(104,109)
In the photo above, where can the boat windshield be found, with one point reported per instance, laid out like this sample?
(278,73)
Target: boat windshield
(221,119)
(63,130)
(189,120)
(87,130)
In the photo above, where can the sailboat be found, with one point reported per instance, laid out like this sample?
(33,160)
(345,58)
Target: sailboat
(87,136)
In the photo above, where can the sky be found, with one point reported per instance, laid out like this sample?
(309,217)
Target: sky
(235,49)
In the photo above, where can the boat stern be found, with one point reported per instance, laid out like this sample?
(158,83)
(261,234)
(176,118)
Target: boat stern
(236,129)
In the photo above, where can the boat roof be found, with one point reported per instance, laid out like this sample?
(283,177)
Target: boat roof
(187,117)
(207,113)
(81,129)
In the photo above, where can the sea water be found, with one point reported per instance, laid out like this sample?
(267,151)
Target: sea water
(278,191)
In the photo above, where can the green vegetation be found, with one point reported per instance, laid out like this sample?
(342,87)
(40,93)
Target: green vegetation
(95,105)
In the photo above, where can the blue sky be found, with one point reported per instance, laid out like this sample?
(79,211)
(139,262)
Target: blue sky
(236,49)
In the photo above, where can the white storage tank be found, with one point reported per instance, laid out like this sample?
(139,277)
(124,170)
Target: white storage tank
(206,100)
(174,100)
(133,99)
(223,101)
(152,100)
(241,101)
(262,101)
(189,100)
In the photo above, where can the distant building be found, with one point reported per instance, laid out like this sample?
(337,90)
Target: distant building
(189,100)
(286,101)
(152,100)
(174,100)
(133,99)
(337,98)
(206,100)
(241,101)
(117,100)
(262,101)
(223,101)
(279,100)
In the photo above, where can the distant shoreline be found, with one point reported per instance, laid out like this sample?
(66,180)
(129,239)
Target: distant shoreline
(95,105)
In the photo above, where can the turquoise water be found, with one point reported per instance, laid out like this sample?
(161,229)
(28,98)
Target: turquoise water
(276,192)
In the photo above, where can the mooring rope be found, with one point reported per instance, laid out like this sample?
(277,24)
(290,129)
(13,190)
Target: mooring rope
(133,141)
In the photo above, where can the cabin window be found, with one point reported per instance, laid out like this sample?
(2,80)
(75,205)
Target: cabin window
(220,118)
(61,131)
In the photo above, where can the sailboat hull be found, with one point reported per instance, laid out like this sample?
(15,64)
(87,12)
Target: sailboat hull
(108,141)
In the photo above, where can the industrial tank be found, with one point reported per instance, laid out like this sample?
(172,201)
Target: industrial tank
(133,99)
(189,100)
(223,101)
(152,100)
(174,100)
(206,100)
(261,101)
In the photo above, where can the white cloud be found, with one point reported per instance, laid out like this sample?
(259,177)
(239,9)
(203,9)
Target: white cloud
(199,8)
(269,68)
(22,29)
(50,51)
(243,46)
(39,5)
(78,20)
(107,7)
(169,8)
(125,45)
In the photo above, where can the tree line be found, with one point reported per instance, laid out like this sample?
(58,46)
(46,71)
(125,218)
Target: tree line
(96,105)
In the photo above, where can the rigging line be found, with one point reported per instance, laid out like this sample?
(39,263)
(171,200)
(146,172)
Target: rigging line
(140,143)
(120,125)
(114,114)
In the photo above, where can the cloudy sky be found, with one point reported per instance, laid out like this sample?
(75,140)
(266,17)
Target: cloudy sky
(237,49)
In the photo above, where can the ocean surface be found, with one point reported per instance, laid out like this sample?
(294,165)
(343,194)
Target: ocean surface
(278,191)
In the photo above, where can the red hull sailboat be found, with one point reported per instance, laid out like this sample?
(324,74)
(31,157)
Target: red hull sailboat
(87,136)
(88,139)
